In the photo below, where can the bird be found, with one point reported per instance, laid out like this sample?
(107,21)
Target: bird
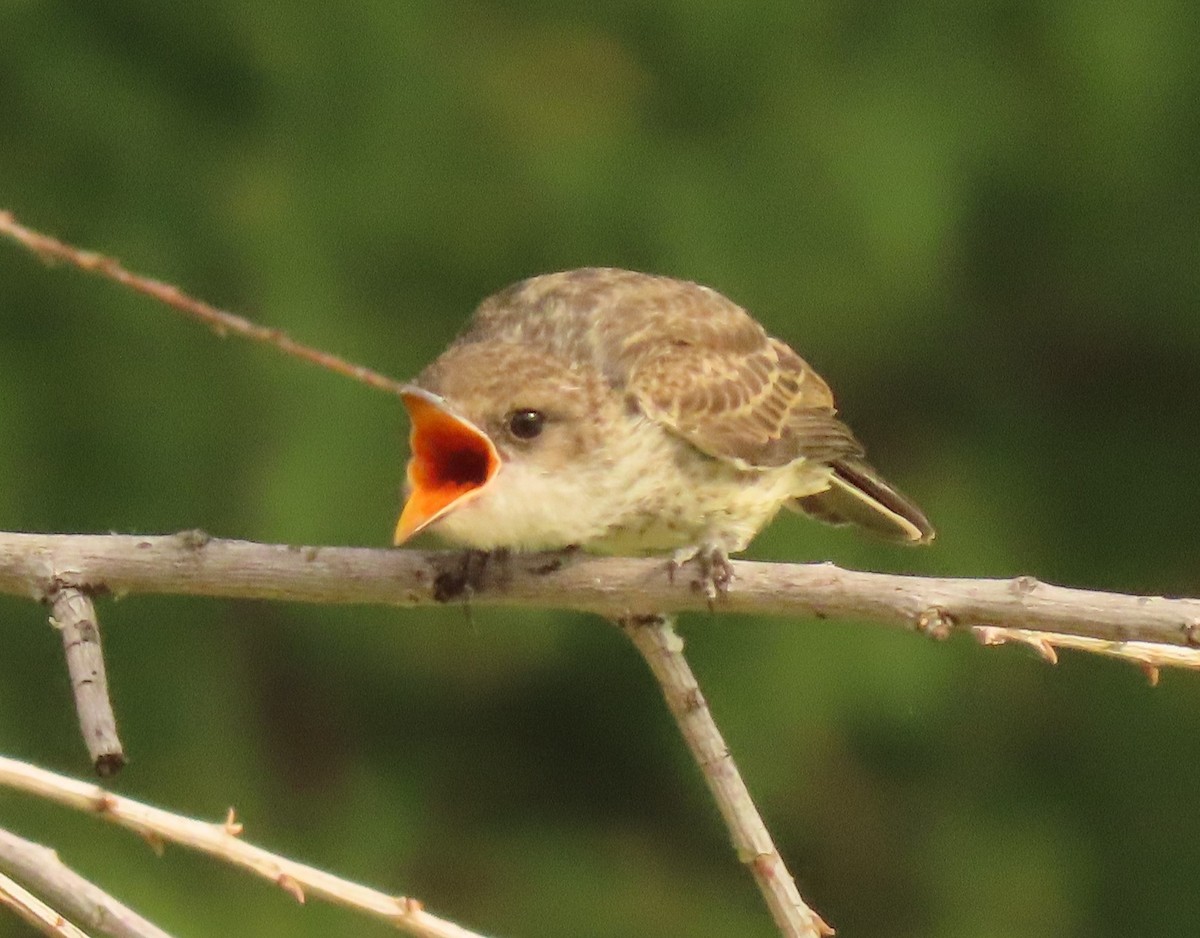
(630,413)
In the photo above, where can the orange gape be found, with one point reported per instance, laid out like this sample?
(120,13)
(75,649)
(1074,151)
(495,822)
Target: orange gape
(451,460)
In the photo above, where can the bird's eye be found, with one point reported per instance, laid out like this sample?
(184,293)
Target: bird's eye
(525,424)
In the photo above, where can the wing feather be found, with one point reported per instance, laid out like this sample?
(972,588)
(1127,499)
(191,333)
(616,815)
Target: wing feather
(687,356)
(760,409)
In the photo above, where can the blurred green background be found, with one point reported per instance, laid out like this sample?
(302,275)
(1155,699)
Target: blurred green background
(981,222)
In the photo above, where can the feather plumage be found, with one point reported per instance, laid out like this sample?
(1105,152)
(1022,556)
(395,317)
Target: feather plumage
(602,349)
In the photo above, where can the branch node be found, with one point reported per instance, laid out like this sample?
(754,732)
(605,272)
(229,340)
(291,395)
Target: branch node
(232,826)
(651,620)
(193,539)
(993,635)
(936,623)
(154,841)
(694,700)
(104,803)
(1024,585)
(1191,634)
(289,885)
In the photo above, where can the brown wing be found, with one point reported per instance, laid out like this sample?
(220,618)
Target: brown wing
(691,359)
(756,408)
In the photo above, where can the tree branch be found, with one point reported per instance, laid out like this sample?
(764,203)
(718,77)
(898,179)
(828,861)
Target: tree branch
(221,322)
(33,910)
(191,563)
(224,842)
(1150,631)
(40,868)
(74,614)
(655,638)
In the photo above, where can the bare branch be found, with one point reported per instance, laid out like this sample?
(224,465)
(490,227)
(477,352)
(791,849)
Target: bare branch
(74,615)
(65,570)
(655,638)
(191,563)
(35,911)
(221,322)
(1149,656)
(224,842)
(614,588)
(40,868)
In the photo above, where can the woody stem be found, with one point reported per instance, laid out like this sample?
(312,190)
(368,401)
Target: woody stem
(655,638)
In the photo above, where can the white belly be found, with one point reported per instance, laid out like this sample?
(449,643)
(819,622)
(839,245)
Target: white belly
(652,492)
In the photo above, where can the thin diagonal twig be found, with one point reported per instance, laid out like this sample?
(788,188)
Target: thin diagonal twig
(221,322)
(36,912)
(224,842)
(662,648)
(41,870)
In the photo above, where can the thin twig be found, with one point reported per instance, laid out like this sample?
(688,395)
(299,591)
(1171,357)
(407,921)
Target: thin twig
(33,565)
(1149,656)
(662,648)
(35,911)
(221,322)
(74,615)
(224,842)
(42,871)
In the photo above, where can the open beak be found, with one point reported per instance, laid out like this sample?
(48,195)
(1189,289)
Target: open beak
(452,460)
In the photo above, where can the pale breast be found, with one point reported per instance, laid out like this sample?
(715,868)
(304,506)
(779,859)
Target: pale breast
(683,498)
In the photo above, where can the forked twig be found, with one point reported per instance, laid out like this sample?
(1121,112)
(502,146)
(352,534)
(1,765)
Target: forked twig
(1151,631)
(224,842)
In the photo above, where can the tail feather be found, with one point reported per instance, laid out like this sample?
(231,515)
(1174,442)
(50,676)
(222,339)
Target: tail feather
(858,495)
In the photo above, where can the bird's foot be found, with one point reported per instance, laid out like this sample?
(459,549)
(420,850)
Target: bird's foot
(468,573)
(712,563)
(551,561)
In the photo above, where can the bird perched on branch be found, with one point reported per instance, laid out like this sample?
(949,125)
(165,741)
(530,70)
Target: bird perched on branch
(628,413)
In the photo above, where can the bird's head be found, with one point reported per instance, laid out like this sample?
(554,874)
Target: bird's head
(503,437)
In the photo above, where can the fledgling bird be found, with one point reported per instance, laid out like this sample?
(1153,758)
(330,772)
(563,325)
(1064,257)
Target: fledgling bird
(628,413)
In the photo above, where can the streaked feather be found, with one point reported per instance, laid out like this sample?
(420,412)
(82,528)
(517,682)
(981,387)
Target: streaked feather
(686,357)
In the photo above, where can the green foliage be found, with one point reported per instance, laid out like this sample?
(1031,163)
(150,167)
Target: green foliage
(980,221)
